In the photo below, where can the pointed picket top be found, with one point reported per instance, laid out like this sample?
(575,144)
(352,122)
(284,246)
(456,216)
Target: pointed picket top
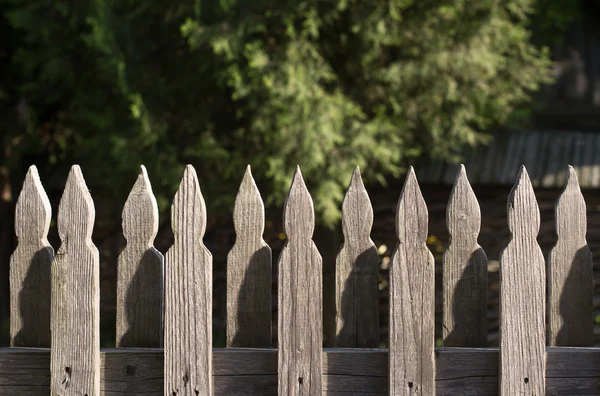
(188,296)
(140,213)
(357,212)
(463,215)
(570,272)
(183,207)
(249,210)
(33,211)
(571,205)
(140,271)
(357,269)
(300,305)
(298,212)
(30,267)
(76,199)
(464,288)
(522,297)
(522,204)
(249,272)
(412,298)
(75,313)
(412,200)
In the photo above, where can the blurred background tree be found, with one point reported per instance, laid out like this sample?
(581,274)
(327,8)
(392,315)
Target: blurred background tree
(111,84)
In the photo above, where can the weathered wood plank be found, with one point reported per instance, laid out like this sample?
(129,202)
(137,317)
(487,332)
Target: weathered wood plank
(357,270)
(30,264)
(412,298)
(188,296)
(570,272)
(75,313)
(300,324)
(249,272)
(140,271)
(522,296)
(464,270)
(460,371)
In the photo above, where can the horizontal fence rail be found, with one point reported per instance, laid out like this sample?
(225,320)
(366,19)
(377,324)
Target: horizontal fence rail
(164,303)
(248,371)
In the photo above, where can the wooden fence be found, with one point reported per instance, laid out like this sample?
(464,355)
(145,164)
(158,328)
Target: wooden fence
(164,307)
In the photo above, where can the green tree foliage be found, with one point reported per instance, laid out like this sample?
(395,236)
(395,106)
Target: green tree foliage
(332,84)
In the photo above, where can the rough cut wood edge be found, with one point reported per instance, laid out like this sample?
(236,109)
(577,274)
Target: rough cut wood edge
(140,271)
(249,272)
(460,371)
(464,270)
(522,296)
(30,263)
(357,270)
(570,272)
(75,313)
(188,296)
(412,298)
(300,324)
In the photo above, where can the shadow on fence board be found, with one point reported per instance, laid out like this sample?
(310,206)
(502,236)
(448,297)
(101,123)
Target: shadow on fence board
(164,305)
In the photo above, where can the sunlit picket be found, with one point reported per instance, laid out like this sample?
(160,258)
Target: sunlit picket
(164,306)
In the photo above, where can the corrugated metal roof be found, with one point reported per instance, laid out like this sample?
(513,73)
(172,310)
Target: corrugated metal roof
(545,154)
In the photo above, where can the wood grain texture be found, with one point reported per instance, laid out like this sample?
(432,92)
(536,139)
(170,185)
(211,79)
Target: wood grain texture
(300,322)
(522,297)
(249,272)
(188,296)
(357,270)
(75,314)
(244,371)
(570,272)
(140,271)
(464,270)
(30,263)
(412,298)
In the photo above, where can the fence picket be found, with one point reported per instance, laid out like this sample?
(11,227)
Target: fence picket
(188,296)
(464,270)
(249,272)
(357,269)
(30,263)
(412,298)
(522,297)
(75,313)
(570,272)
(300,324)
(140,271)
